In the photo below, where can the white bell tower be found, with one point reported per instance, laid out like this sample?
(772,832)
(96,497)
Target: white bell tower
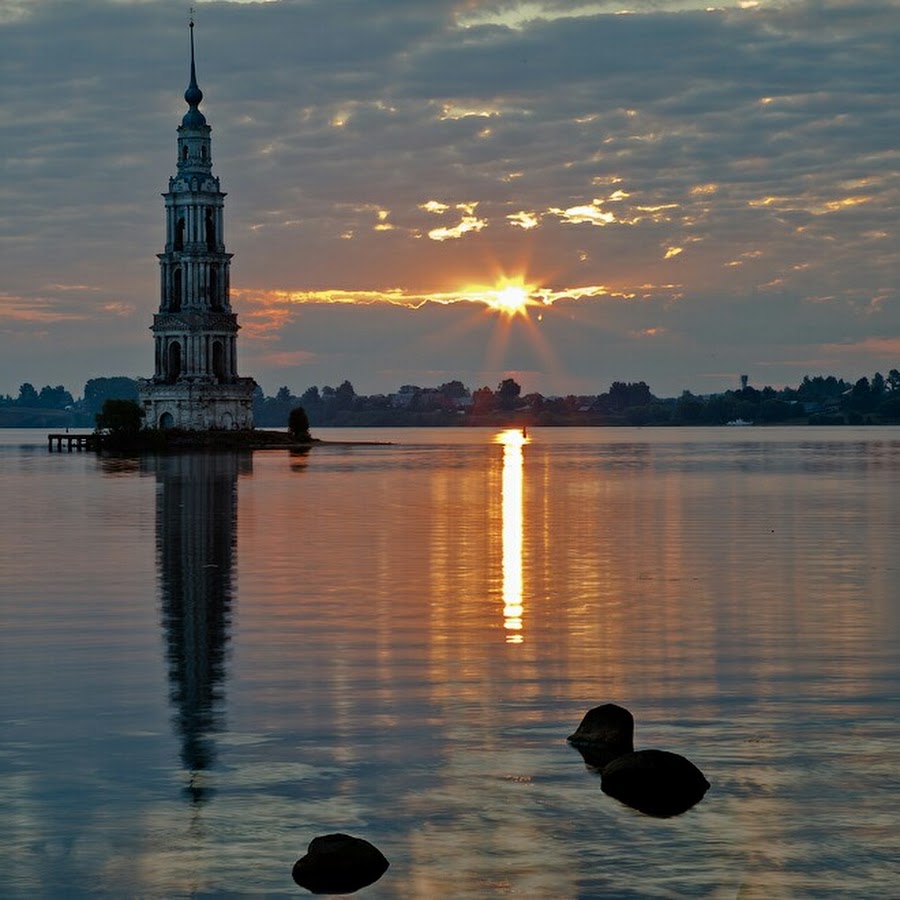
(195,385)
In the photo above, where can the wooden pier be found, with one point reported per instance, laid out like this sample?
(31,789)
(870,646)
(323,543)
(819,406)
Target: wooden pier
(73,442)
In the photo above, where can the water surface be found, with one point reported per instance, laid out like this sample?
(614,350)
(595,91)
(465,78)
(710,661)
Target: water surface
(207,660)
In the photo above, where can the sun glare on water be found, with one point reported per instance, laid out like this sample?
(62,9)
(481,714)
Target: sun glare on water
(513,440)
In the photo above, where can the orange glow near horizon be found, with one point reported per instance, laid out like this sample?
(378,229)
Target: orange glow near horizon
(266,311)
(511,303)
(513,525)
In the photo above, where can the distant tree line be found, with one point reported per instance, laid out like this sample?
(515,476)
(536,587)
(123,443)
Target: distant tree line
(817,400)
(55,406)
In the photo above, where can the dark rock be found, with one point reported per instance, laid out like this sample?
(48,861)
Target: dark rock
(606,732)
(655,782)
(339,864)
(596,756)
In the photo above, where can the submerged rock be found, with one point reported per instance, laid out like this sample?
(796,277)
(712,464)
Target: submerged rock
(606,732)
(339,864)
(655,782)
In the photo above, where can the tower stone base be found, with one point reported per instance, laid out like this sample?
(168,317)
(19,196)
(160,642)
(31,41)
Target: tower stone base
(197,405)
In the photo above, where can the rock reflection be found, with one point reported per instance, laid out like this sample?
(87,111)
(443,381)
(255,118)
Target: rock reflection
(513,478)
(196,524)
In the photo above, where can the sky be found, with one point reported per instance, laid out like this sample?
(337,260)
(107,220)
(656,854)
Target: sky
(682,194)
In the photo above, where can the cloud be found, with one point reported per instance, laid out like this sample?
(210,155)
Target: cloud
(33,310)
(524,220)
(590,213)
(465,225)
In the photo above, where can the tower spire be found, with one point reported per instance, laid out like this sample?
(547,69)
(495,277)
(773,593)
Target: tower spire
(193,95)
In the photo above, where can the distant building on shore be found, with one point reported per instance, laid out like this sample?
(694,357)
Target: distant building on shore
(196,384)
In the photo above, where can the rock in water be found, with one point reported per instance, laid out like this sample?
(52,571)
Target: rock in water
(655,782)
(339,864)
(606,732)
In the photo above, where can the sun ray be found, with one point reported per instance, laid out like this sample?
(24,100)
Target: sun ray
(495,352)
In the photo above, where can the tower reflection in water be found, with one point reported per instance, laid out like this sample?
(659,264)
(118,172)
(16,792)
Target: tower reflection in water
(196,536)
(513,440)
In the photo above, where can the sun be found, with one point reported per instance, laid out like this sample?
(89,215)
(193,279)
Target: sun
(511,298)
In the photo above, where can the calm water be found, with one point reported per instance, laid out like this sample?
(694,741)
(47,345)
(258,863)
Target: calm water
(205,661)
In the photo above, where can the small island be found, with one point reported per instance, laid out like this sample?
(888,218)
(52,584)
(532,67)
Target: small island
(120,429)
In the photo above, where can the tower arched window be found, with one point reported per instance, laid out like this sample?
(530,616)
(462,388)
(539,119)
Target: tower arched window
(218,361)
(210,230)
(215,300)
(179,234)
(184,152)
(175,305)
(173,362)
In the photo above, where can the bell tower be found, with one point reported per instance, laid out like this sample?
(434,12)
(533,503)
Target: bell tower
(195,385)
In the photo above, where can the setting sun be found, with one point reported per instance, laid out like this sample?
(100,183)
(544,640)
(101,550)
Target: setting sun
(510,297)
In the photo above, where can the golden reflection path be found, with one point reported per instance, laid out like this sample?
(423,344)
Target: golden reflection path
(513,478)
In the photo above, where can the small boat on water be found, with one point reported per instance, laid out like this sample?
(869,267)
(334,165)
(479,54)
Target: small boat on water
(738,422)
